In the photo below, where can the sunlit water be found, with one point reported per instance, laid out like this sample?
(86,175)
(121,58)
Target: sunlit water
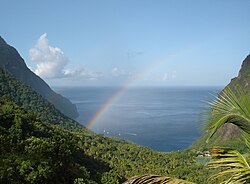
(164,119)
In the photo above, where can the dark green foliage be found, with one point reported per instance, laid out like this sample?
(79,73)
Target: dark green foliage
(154,179)
(234,143)
(11,61)
(243,79)
(229,136)
(26,97)
(40,145)
(36,152)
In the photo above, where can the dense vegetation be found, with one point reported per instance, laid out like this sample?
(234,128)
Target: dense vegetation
(16,91)
(38,144)
(243,78)
(231,107)
(35,152)
(11,61)
(228,134)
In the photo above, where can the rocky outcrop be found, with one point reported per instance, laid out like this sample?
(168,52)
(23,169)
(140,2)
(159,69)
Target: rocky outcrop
(229,131)
(243,78)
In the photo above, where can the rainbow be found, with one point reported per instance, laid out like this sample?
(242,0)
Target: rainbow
(110,101)
(122,90)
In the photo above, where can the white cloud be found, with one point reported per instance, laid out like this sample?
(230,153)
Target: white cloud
(169,76)
(51,62)
(116,72)
(82,73)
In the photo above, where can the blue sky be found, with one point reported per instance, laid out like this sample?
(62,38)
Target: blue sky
(166,43)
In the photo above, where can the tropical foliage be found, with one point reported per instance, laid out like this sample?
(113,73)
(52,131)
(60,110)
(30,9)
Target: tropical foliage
(231,107)
(235,164)
(24,96)
(38,144)
(154,179)
(32,151)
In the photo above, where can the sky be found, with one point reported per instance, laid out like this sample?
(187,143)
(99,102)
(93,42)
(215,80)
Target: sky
(135,42)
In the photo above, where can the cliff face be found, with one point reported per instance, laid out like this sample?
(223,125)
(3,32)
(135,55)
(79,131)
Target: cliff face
(243,78)
(11,61)
(229,132)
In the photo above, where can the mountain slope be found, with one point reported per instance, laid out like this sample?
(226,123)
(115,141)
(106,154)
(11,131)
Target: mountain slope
(23,95)
(229,134)
(32,151)
(243,78)
(11,61)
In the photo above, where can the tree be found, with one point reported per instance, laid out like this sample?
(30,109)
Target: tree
(154,179)
(230,107)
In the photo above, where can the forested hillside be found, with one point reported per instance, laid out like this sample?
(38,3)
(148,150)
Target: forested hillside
(229,134)
(11,61)
(26,97)
(32,151)
(41,145)
(38,144)
(243,78)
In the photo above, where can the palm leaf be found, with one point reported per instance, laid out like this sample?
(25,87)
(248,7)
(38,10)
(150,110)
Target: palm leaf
(154,179)
(230,107)
(233,163)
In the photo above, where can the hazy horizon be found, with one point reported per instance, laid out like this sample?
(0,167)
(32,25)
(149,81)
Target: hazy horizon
(130,43)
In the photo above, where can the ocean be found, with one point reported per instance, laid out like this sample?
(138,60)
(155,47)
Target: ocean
(161,118)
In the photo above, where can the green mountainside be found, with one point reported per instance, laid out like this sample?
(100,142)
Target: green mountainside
(243,78)
(11,61)
(38,144)
(23,95)
(32,151)
(229,134)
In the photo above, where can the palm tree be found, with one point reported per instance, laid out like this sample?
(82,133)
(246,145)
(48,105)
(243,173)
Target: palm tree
(230,107)
(154,179)
(233,163)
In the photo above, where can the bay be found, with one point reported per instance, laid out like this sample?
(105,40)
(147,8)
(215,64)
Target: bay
(161,118)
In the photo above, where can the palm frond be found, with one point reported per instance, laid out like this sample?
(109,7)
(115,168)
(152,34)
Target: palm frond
(231,107)
(155,179)
(233,163)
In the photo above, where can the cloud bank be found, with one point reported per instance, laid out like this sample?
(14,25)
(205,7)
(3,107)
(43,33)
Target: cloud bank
(82,73)
(118,72)
(169,76)
(51,62)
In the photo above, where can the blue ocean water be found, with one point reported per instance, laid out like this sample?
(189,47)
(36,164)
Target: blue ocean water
(161,118)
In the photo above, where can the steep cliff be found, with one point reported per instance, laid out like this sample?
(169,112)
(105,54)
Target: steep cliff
(229,134)
(11,61)
(243,78)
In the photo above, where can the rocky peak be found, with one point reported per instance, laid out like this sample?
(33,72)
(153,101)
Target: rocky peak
(245,67)
(2,41)
(243,78)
